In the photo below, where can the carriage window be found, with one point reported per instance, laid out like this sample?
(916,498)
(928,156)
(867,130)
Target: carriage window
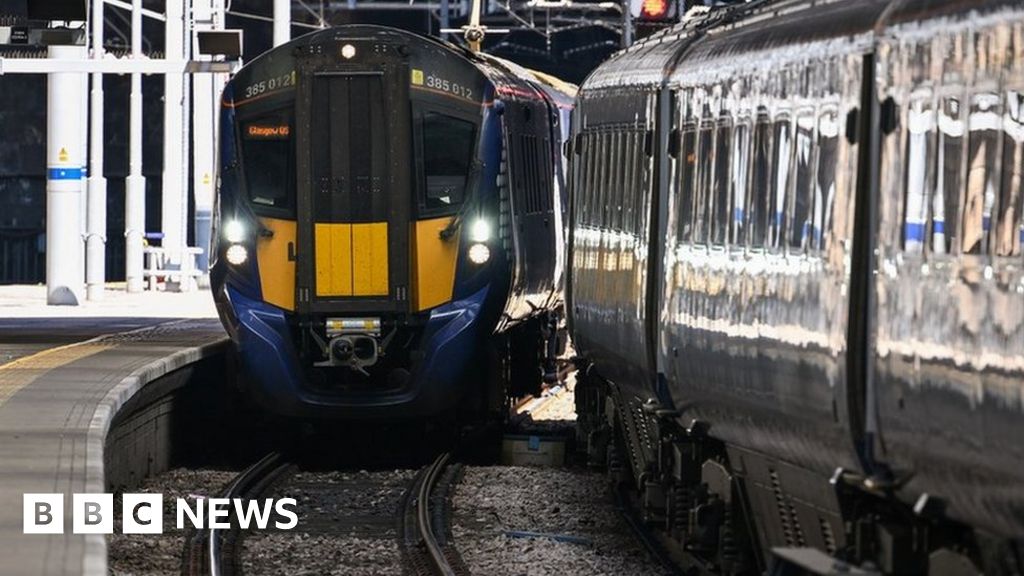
(605,182)
(1008,227)
(780,181)
(740,174)
(800,230)
(757,211)
(687,170)
(268,159)
(722,183)
(618,184)
(982,172)
(825,183)
(703,187)
(589,187)
(447,157)
(639,199)
(946,202)
(919,157)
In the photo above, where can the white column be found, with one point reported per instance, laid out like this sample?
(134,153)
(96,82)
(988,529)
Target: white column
(135,185)
(64,181)
(96,212)
(282,21)
(83,134)
(204,106)
(173,198)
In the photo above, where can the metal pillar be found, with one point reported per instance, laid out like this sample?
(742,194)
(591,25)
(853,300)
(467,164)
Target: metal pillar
(83,134)
(64,181)
(282,21)
(135,185)
(96,205)
(627,25)
(204,106)
(446,22)
(174,189)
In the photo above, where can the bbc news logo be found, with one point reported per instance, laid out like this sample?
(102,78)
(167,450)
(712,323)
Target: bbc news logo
(144,513)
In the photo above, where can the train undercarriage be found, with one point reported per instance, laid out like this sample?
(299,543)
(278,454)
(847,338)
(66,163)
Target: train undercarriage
(720,509)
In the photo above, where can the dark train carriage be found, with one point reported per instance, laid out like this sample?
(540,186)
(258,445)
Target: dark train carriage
(803,296)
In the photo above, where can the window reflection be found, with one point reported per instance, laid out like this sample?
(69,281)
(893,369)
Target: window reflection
(721,185)
(1008,228)
(948,172)
(825,189)
(740,164)
(982,172)
(780,180)
(801,222)
(920,155)
(760,179)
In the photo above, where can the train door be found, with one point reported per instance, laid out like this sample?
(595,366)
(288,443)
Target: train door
(353,209)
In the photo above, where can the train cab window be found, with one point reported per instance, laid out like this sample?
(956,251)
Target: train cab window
(982,172)
(268,161)
(448,145)
(800,230)
(687,173)
(780,179)
(825,182)
(1008,225)
(918,159)
(760,180)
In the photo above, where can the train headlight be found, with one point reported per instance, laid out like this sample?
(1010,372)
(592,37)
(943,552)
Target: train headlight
(234,231)
(348,51)
(237,254)
(480,230)
(479,253)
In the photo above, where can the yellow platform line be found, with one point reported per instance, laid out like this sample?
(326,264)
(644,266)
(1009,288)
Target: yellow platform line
(21,372)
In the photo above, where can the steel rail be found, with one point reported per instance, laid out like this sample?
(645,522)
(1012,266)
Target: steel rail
(441,565)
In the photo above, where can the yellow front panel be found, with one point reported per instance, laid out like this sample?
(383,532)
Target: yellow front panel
(333,244)
(277,271)
(434,267)
(370,259)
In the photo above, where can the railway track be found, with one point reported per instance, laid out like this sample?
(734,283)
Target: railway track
(423,537)
(427,546)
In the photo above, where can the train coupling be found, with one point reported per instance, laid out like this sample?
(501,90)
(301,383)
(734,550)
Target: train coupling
(353,342)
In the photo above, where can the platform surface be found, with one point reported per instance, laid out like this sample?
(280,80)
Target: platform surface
(61,381)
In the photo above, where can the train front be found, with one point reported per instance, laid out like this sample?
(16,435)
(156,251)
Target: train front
(356,267)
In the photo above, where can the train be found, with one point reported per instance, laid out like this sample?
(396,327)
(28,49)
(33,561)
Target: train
(795,284)
(389,227)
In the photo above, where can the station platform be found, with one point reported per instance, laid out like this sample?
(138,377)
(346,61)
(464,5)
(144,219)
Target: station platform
(64,373)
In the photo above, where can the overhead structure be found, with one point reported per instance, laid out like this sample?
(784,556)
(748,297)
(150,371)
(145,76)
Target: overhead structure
(77,197)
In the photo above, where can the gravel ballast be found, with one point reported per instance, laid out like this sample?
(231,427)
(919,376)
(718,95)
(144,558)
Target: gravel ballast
(492,506)
(347,525)
(160,554)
